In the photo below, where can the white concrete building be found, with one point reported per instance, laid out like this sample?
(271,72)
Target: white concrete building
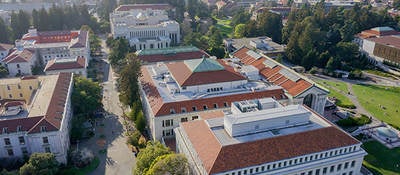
(43,125)
(298,89)
(180,91)
(20,62)
(75,65)
(146,26)
(56,44)
(263,137)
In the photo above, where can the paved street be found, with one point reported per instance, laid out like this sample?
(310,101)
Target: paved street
(109,142)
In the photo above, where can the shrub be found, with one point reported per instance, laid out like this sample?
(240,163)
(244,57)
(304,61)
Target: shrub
(354,121)
(81,158)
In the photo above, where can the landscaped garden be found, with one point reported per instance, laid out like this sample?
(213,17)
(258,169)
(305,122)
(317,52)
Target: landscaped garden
(381,101)
(224,27)
(381,160)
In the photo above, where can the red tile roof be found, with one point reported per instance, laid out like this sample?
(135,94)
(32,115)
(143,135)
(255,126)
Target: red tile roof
(272,74)
(185,77)
(79,37)
(17,56)
(143,7)
(79,63)
(373,33)
(393,41)
(174,56)
(54,114)
(217,158)
(160,108)
(5,47)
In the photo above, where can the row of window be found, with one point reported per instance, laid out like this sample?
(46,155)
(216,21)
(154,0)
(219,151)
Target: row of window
(168,132)
(19,129)
(21,140)
(194,108)
(300,160)
(170,122)
(24,151)
(18,86)
(214,89)
(317,171)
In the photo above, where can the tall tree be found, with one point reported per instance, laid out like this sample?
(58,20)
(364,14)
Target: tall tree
(86,96)
(270,24)
(169,164)
(20,23)
(128,80)
(4,32)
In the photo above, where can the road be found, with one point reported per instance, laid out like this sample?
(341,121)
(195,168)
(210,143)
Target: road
(110,132)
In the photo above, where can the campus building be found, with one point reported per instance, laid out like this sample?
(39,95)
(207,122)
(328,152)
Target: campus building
(263,45)
(381,44)
(20,61)
(179,53)
(145,26)
(56,44)
(263,137)
(194,89)
(4,50)
(75,65)
(298,88)
(35,114)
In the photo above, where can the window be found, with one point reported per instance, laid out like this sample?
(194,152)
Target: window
(7,141)
(47,149)
(172,111)
(279,164)
(17,65)
(183,87)
(167,123)
(195,117)
(295,161)
(215,105)
(257,170)
(262,168)
(225,104)
(332,168)
(205,107)
(324,170)
(310,172)
(19,128)
(24,151)
(43,128)
(185,119)
(302,173)
(251,171)
(10,152)
(194,108)
(9,95)
(19,86)
(301,160)
(45,140)
(5,130)
(353,163)
(20,95)
(245,172)
(21,140)
(183,110)
(30,87)
(317,171)
(346,165)
(268,167)
(351,173)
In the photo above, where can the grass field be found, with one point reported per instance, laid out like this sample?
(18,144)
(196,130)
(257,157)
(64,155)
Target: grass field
(381,101)
(224,26)
(380,159)
(380,73)
(342,100)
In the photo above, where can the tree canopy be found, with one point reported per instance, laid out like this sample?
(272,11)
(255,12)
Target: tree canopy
(86,95)
(128,80)
(176,164)
(148,155)
(40,163)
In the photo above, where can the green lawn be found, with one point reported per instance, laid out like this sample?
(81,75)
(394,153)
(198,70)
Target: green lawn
(82,171)
(342,100)
(224,26)
(371,96)
(380,73)
(380,159)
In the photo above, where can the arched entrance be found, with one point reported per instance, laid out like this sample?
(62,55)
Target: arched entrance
(309,100)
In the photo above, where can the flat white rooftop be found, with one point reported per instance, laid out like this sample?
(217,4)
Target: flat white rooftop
(167,89)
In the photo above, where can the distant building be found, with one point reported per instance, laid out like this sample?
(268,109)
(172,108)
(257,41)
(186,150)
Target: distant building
(20,61)
(35,114)
(171,54)
(56,44)
(381,44)
(4,51)
(145,26)
(263,137)
(75,65)
(263,45)
(298,88)
(194,89)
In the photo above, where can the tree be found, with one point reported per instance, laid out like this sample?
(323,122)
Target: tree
(147,155)
(40,163)
(176,164)
(240,31)
(270,24)
(128,80)
(240,17)
(86,96)
(3,72)
(20,23)
(5,32)
(119,49)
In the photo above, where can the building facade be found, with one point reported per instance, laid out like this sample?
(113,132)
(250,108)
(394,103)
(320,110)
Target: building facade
(20,62)
(145,26)
(42,123)
(4,50)
(263,137)
(75,65)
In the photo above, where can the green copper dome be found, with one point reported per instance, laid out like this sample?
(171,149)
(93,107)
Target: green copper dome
(204,65)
